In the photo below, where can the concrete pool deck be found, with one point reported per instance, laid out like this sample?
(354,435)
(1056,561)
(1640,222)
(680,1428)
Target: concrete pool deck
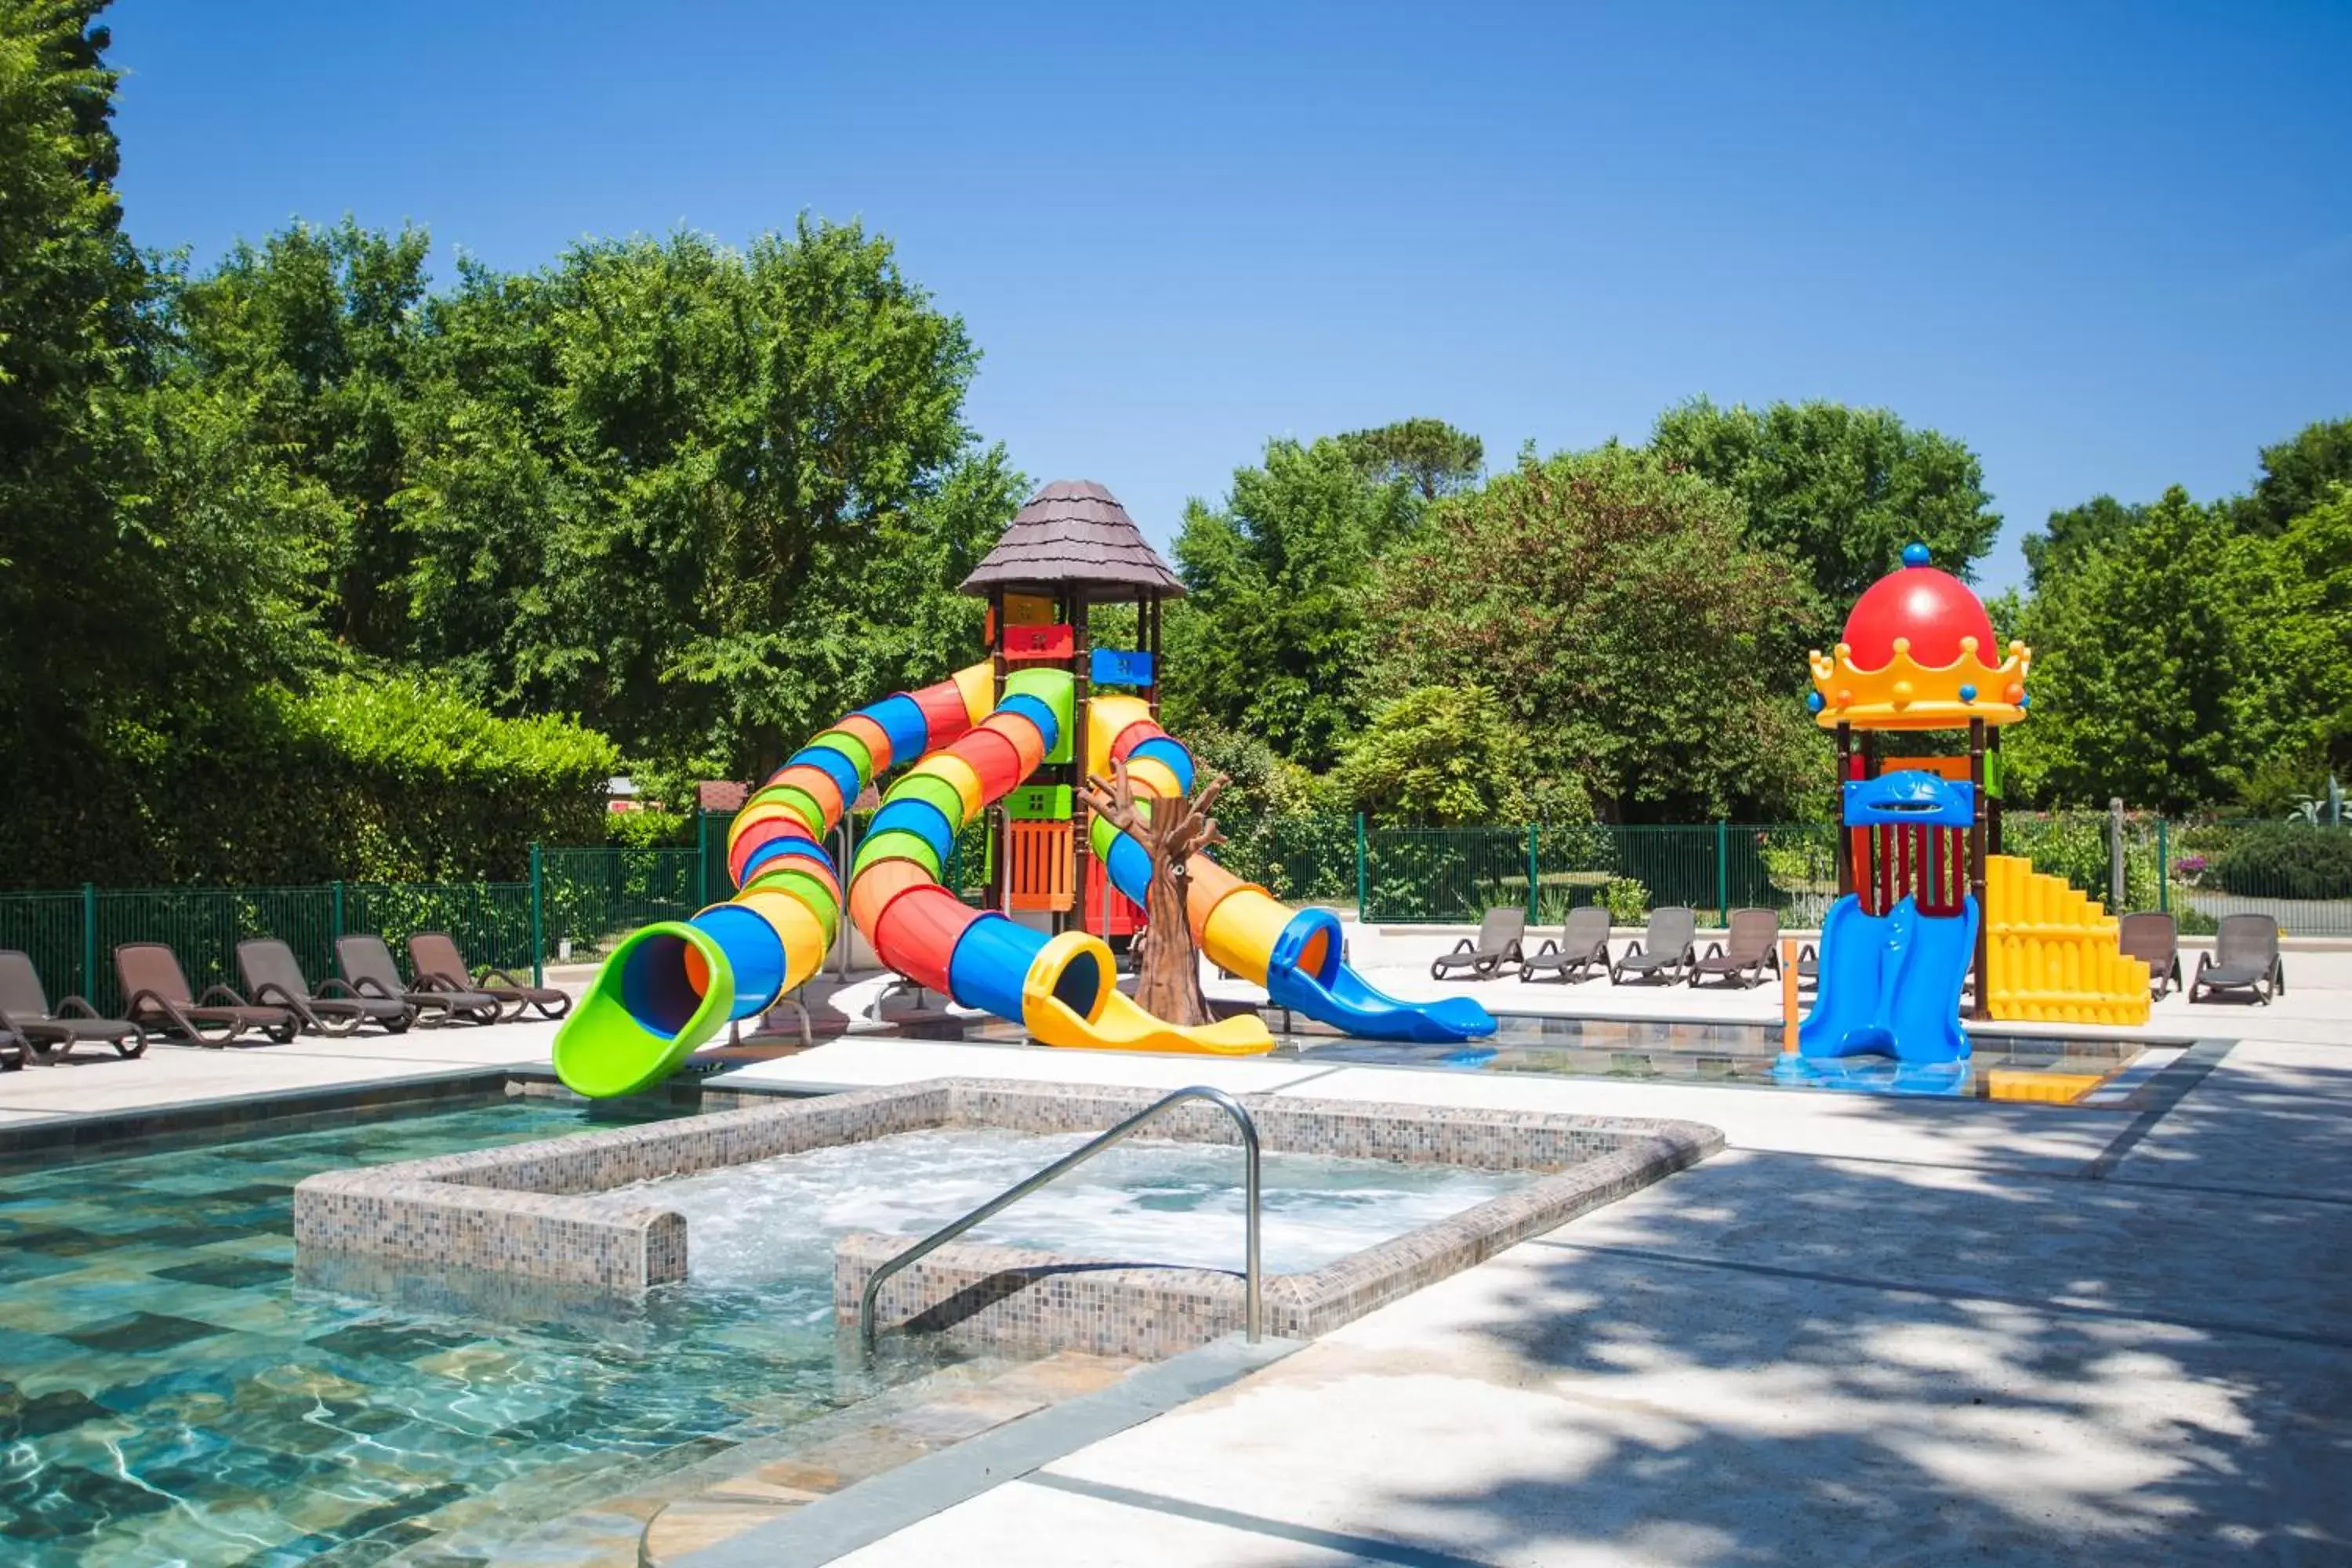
(1871,1329)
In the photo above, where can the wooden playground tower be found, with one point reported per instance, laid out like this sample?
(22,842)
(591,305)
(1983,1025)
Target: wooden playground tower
(1072,547)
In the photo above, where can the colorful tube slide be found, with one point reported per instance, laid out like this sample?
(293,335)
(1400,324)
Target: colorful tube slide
(673,984)
(1891,983)
(1294,954)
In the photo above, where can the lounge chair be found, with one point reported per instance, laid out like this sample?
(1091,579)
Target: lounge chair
(1669,947)
(1500,942)
(158,996)
(1748,948)
(274,975)
(433,959)
(2245,957)
(368,969)
(1809,967)
(2155,940)
(48,1035)
(1583,947)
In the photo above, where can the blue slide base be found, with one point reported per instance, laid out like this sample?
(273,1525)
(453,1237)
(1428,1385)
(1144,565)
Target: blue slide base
(1348,1003)
(1891,984)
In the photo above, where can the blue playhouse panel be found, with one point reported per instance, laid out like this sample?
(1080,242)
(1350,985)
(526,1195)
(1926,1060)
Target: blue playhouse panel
(1120,667)
(1909,798)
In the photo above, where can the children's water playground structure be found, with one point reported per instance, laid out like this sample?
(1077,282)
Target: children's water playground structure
(1931,916)
(1012,740)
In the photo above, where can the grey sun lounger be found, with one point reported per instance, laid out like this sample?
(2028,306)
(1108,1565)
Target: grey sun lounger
(433,959)
(1750,948)
(274,975)
(367,967)
(48,1034)
(2153,938)
(2245,957)
(156,993)
(1500,942)
(1668,948)
(1583,948)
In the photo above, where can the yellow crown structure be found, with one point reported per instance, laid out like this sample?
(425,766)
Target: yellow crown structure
(1908,695)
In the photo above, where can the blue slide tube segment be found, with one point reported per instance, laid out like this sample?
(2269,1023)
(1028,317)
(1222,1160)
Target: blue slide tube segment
(901,719)
(920,817)
(755,956)
(836,767)
(1167,751)
(777,849)
(990,960)
(1035,710)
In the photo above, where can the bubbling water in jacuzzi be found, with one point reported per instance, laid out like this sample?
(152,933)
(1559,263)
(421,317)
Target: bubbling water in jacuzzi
(1142,1202)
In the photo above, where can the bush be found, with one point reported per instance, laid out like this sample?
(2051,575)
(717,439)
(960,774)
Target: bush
(361,778)
(1628,902)
(649,829)
(2285,860)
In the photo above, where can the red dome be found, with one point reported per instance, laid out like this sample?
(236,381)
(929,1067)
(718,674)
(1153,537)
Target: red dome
(1933,609)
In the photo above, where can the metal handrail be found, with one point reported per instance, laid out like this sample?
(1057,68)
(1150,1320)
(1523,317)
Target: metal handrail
(1252,1311)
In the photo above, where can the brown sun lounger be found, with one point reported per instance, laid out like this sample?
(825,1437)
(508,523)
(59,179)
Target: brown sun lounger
(1750,947)
(2245,957)
(274,975)
(157,995)
(47,1034)
(1500,942)
(433,959)
(2153,938)
(368,969)
(1583,948)
(1669,947)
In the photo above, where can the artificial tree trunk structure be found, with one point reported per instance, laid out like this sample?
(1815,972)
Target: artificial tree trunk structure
(1168,967)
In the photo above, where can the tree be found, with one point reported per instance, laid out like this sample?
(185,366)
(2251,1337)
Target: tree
(2298,475)
(2137,647)
(1439,755)
(1838,490)
(1269,640)
(706,497)
(1167,985)
(1635,637)
(1433,455)
(2074,534)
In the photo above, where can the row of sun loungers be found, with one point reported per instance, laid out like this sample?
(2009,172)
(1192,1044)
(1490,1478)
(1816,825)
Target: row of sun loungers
(2245,959)
(279,1000)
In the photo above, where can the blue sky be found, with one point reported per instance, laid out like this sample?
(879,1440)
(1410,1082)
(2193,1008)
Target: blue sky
(2108,247)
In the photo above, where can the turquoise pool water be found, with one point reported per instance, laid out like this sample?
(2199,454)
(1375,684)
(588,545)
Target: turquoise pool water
(168,1396)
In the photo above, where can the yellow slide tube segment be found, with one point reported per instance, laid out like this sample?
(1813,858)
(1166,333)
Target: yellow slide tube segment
(1239,934)
(1105,717)
(1150,777)
(955,772)
(798,927)
(978,684)
(1069,998)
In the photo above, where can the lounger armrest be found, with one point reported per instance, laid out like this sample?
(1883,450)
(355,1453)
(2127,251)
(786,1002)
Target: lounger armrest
(492,972)
(433,980)
(1808,954)
(221,996)
(1634,948)
(1465,945)
(334,986)
(1714,950)
(369,985)
(75,1007)
(1547,949)
(156,1001)
(270,994)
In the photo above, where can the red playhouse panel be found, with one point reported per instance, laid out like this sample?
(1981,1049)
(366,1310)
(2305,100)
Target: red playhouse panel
(1031,644)
(1123,917)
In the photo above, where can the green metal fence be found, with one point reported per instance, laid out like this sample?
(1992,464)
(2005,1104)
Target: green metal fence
(579,899)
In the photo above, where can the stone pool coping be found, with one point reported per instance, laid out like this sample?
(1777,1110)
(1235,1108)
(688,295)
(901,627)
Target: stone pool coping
(550,1210)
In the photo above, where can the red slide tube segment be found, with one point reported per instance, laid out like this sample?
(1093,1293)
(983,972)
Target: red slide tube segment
(917,932)
(882,882)
(1026,738)
(991,755)
(1123,744)
(943,712)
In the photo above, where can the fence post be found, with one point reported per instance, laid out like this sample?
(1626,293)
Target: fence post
(1363,874)
(1723,869)
(1533,915)
(2163,866)
(338,931)
(538,918)
(2118,889)
(702,859)
(90,939)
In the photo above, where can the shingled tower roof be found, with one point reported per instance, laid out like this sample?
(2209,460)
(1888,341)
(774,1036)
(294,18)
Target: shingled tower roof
(1074,531)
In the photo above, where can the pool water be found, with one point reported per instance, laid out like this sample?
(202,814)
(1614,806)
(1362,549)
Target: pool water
(1141,1201)
(168,1395)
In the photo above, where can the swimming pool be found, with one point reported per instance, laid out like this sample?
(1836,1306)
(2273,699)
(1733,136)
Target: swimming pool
(167,1394)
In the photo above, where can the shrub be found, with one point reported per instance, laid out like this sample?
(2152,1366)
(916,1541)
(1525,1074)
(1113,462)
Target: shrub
(1628,901)
(2285,860)
(650,829)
